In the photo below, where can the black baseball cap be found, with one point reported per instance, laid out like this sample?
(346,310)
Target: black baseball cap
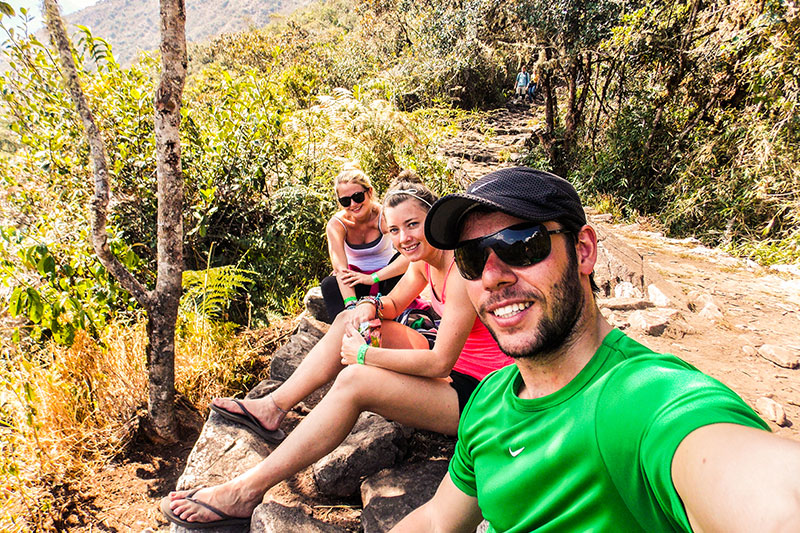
(524,192)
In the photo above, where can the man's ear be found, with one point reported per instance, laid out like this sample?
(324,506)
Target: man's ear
(586,249)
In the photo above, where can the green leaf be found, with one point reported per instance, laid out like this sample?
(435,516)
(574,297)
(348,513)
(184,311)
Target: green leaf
(36,306)
(15,302)
(6,9)
(47,266)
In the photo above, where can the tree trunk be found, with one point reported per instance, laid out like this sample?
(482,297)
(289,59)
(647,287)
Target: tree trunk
(161,304)
(161,351)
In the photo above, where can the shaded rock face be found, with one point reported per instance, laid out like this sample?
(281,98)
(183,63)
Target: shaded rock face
(618,263)
(373,444)
(272,517)
(391,494)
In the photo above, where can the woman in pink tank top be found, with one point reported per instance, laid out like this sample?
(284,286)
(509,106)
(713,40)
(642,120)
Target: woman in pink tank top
(404,379)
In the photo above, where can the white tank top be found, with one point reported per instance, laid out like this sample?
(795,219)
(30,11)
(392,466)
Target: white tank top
(370,256)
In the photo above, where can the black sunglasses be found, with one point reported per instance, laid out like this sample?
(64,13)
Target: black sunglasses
(356,197)
(518,246)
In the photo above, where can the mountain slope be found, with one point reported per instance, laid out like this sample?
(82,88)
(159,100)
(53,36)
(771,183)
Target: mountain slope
(133,25)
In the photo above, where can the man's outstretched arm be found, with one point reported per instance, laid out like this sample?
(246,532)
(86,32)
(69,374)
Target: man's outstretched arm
(735,478)
(450,510)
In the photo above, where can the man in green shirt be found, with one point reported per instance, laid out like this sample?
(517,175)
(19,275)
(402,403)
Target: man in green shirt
(589,430)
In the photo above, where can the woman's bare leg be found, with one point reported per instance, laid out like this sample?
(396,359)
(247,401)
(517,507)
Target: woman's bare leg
(320,365)
(426,403)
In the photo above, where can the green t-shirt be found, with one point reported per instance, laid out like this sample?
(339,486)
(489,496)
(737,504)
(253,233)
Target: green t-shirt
(595,455)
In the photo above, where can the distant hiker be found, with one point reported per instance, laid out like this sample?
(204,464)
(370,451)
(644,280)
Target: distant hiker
(588,430)
(364,261)
(532,85)
(406,379)
(521,83)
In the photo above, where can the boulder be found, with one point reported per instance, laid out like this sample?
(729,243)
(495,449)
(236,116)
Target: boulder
(315,304)
(223,450)
(617,262)
(391,494)
(771,410)
(661,321)
(373,444)
(288,357)
(273,517)
(779,355)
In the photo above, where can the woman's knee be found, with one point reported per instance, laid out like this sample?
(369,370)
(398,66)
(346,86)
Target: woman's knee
(354,381)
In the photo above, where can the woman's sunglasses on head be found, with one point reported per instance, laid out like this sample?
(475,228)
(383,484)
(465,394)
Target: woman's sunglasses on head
(518,246)
(357,198)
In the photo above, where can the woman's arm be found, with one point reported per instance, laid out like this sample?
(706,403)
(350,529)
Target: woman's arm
(457,321)
(336,233)
(396,268)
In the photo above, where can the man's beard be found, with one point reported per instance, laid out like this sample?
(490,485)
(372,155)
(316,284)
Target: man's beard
(556,328)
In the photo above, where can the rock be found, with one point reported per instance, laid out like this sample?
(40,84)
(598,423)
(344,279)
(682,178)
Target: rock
(771,410)
(711,312)
(697,300)
(273,517)
(657,296)
(391,494)
(618,320)
(286,358)
(374,444)
(779,355)
(625,289)
(749,350)
(223,450)
(315,304)
(662,321)
(618,262)
(624,304)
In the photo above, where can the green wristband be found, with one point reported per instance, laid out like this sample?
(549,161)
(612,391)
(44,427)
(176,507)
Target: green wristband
(349,299)
(375,278)
(362,351)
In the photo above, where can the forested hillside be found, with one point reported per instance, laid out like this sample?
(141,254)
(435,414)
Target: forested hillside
(131,26)
(683,113)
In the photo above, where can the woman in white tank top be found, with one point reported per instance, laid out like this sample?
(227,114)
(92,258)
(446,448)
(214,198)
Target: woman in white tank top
(360,253)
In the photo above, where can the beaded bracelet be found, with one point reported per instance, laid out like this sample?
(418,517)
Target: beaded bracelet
(362,351)
(375,301)
(375,278)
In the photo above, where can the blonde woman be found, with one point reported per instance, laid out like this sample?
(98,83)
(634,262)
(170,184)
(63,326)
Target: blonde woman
(364,261)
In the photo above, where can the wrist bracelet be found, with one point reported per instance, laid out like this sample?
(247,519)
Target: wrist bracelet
(375,278)
(362,351)
(349,300)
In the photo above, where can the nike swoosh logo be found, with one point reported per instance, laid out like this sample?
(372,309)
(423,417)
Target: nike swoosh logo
(482,185)
(515,453)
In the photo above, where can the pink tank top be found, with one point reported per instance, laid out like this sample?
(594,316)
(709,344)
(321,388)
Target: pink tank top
(481,354)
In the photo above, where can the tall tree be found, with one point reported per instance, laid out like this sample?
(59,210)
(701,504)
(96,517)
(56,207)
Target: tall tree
(161,303)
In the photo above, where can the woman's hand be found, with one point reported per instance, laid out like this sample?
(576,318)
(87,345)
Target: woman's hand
(351,342)
(351,278)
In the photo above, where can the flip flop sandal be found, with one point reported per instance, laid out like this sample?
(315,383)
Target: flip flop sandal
(225,519)
(247,419)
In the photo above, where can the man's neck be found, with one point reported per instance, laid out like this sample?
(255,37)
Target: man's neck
(541,378)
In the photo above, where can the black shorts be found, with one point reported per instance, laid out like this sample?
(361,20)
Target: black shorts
(464,385)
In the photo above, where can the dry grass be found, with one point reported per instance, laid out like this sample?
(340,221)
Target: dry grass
(66,412)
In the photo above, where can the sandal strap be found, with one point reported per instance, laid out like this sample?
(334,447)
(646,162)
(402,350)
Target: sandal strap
(211,508)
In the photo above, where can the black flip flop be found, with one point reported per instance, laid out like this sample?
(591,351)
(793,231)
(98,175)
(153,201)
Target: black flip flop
(224,521)
(247,419)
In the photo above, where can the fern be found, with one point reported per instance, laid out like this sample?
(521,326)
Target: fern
(209,292)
